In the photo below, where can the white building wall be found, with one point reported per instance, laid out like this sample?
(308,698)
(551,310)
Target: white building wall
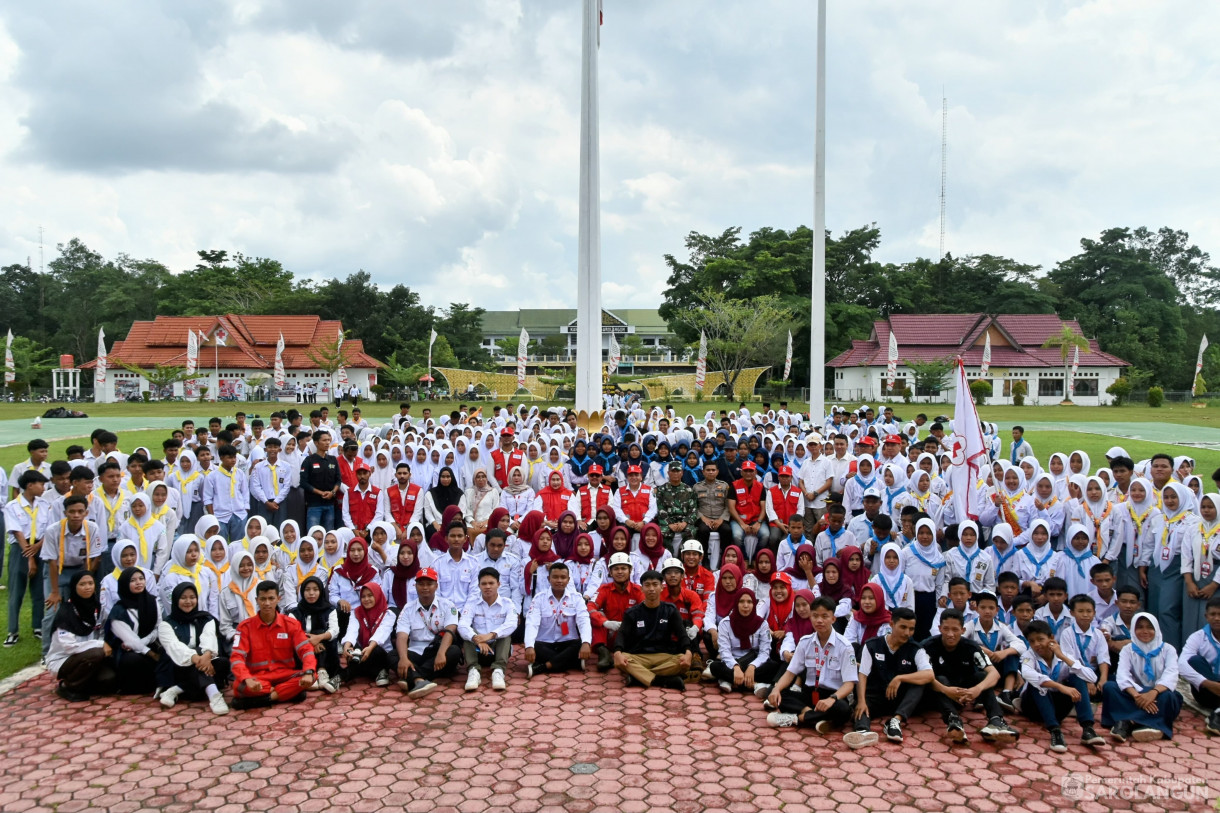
(866,385)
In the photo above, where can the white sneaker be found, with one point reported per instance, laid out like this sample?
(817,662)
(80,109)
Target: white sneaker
(725,686)
(170,696)
(780,719)
(323,679)
(761,690)
(497,680)
(860,739)
(218,704)
(707,673)
(473,679)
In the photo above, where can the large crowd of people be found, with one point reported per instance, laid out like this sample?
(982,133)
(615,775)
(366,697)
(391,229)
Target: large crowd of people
(818,565)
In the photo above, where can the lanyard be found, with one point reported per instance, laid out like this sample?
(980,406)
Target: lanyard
(820,656)
(430,619)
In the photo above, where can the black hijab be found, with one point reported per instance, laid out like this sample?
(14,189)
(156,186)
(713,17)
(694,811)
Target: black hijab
(445,496)
(78,615)
(316,615)
(143,603)
(183,622)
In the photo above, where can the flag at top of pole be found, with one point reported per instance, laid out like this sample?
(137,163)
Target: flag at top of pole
(10,368)
(615,356)
(1198,366)
(967,451)
(523,349)
(891,367)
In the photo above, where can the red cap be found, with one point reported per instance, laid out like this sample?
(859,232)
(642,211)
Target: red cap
(430,573)
(893,439)
(749,466)
(596,469)
(782,577)
(634,470)
(867,440)
(785,470)
(361,466)
(508,430)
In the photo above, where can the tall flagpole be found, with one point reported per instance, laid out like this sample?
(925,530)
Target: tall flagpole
(817,324)
(588,269)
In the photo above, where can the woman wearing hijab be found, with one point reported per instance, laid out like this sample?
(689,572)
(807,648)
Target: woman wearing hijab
(320,622)
(437,542)
(1161,566)
(832,586)
(383,470)
(899,591)
(187,477)
(366,646)
(444,494)
(565,533)
(537,568)
(871,619)
(1199,561)
(804,570)
(347,579)
(125,555)
(185,565)
(728,589)
(190,668)
(530,524)
(745,644)
(131,632)
(79,657)
(237,599)
(517,497)
(479,502)
(166,507)
(152,548)
(1142,702)
(398,580)
(651,553)
(582,567)
(924,564)
(1013,500)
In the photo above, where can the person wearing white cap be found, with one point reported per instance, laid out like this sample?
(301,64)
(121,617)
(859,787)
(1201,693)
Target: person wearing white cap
(607,608)
(854,487)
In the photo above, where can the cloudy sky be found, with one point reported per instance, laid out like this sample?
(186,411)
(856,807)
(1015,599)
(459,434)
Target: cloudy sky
(436,143)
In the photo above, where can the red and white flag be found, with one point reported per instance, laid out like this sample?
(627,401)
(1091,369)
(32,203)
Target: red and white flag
(10,368)
(788,358)
(523,349)
(891,367)
(99,373)
(192,352)
(986,365)
(280,377)
(701,363)
(968,452)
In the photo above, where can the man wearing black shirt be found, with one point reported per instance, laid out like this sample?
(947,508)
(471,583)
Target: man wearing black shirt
(893,673)
(652,647)
(964,675)
(320,482)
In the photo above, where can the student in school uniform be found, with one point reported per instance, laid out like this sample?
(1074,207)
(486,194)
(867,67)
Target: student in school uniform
(23,530)
(827,663)
(898,589)
(131,631)
(185,565)
(1199,663)
(834,537)
(69,546)
(958,598)
(1034,560)
(226,494)
(871,528)
(365,649)
(152,545)
(969,561)
(1161,563)
(79,658)
(871,620)
(893,675)
(744,645)
(558,633)
(1142,702)
(125,557)
(320,622)
(1054,684)
(1139,523)
(191,667)
(1084,642)
(486,626)
(1199,560)
(924,564)
(1117,627)
(1054,612)
(1073,563)
(999,643)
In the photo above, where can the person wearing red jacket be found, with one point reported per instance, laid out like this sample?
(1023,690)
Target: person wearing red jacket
(506,458)
(553,500)
(272,658)
(363,504)
(404,499)
(746,507)
(606,609)
(689,605)
(695,576)
(588,498)
(348,462)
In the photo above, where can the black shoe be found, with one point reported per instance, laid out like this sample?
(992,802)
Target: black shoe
(1121,731)
(1058,745)
(1212,726)
(1091,738)
(1005,700)
(997,730)
(297,698)
(670,682)
(955,731)
(629,681)
(71,696)
(893,729)
(38,634)
(12,639)
(260,702)
(605,659)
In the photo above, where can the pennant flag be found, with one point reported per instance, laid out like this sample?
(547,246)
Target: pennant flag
(616,356)
(192,352)
(339,343)
(986,357)
(788,358)
(280,378)
(432,340)
(968,453)
(10,368)
(341,376)
(891,368)
(523,349)
(99,374)
(1075,365)
(701,364)
(1198,366)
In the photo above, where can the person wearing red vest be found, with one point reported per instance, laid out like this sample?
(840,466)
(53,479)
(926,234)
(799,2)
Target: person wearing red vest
(689,605)
(606,609)
(348,462)
(553,500)
(695,576)
(746,508)
(362,504)
(634,505)
(783,501)
(404,499)
(506,458)
(589,498)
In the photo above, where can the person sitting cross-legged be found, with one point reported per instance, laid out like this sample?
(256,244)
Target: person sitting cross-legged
(272,659)
(828,664)
(653,647)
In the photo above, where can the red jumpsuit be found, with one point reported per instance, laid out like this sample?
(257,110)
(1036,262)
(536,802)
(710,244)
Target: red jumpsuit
(270,653)
(689,605)
(609,604)
(701,581)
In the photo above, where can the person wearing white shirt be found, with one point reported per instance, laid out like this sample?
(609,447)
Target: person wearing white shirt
(37,461)
(270,480)
(816,478)
(827,662)
(24,519)
(72,545)
(457,571)
(425,638)
(1142,702)
(1083,641)
(1054,684)
(558,631)
(486,626)
(508,565)
(226,494)
(1199,663)
(370,631)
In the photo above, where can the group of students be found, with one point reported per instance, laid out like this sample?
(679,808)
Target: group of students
(1031,607)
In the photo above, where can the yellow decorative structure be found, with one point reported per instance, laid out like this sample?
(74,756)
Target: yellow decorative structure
(504,384)
(655,387)
(658,386)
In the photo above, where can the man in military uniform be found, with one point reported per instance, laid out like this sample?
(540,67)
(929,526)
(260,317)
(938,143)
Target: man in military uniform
(677,508)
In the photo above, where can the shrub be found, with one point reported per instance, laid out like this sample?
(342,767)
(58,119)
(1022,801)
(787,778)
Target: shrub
(1156,396)
(1120,389)
(1200,384)
(699,395)
(980,388)
(1019,390)
(906,394)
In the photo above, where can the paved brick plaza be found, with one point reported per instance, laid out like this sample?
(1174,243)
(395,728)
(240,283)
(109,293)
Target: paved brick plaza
(369,749)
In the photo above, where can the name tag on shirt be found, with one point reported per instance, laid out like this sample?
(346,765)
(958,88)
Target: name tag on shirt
(282,636)
(640,624)
(879,657)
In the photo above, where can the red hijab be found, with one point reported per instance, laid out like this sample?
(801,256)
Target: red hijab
(770,556)
(403,574)
(576,557)
(795,571)
(530,523)
(872,622)
(369,620)
(800,627)
(658,551)
(726,602)
(778,614)
(358,574)
(839,589)
(498,513)
(859,578)
(741,557)
(543,558)
(439,541)
(745,626)
(608,543)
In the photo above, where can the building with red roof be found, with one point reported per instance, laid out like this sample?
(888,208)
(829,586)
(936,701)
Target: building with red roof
(1017,354)
(239,350)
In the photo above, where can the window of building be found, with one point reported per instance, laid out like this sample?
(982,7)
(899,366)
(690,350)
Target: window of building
(1086,387)
(1048,387)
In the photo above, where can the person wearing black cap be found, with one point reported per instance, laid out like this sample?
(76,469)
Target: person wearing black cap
(24,518)
(729,463)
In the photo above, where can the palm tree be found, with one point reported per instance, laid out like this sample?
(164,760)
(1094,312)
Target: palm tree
(1067,340)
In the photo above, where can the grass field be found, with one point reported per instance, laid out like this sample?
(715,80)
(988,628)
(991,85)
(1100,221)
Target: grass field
(1044,441)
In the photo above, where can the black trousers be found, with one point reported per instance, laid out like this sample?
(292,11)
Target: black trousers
(880,707)
(836,715)
(190,680)
(137,673)
(373,660)
(770,671)
(948,707)
(561,655)
(89,672)
(423,665)
(722,671)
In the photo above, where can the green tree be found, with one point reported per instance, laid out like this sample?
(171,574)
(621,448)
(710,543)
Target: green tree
(930,376)
(462,327)
(159,376)
(32,361)
(1067,340)
(739,333)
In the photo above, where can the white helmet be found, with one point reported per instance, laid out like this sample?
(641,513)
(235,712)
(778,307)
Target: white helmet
(620,559)
(671,562)
(692,544)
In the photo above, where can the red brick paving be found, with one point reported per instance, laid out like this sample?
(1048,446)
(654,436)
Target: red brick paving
(370,749)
